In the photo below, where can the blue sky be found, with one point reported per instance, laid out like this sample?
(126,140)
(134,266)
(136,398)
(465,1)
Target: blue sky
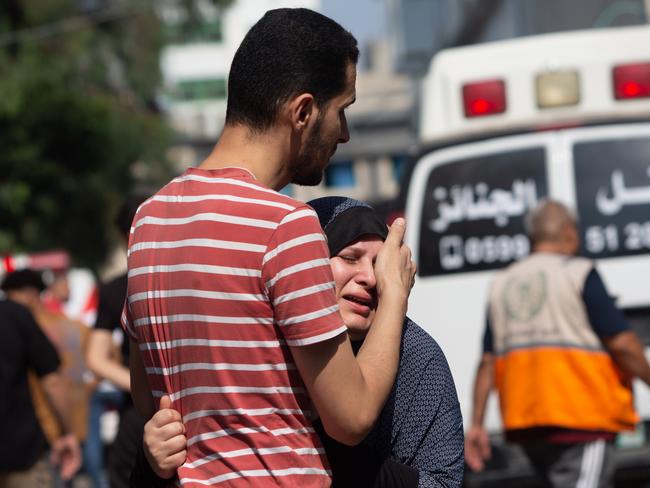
(364,18)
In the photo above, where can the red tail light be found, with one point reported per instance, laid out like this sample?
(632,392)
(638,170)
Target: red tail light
(484,98)
(632,81)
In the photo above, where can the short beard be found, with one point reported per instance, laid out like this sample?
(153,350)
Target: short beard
(305,170)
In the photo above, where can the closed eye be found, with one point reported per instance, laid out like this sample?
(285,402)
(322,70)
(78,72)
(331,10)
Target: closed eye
(347,258)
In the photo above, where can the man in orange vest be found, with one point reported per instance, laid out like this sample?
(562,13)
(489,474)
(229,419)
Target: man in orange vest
(561,357)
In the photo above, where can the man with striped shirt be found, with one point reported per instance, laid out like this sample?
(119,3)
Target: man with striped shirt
(230,298)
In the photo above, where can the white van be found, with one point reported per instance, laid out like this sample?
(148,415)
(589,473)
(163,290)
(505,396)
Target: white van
(504,125)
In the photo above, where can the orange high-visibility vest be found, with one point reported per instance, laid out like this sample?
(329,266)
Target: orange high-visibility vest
(551,368)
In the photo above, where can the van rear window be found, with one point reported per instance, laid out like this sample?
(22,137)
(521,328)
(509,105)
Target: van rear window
(613,196)
(473,211)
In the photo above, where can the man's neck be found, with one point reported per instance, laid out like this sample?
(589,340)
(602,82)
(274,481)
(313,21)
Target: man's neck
(264,155)
(550,247)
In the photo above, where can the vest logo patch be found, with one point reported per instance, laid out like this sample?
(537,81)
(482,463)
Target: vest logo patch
(524,296)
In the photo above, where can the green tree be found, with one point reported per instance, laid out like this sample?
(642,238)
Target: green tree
(78,86)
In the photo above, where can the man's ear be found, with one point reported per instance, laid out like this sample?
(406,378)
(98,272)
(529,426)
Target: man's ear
(301,110)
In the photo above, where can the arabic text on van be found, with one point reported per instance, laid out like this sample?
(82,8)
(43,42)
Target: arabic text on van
(463,203)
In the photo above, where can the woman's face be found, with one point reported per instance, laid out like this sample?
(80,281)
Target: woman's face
(354,276)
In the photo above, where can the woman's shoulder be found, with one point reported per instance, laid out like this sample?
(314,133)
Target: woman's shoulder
(420,351)
(415,337)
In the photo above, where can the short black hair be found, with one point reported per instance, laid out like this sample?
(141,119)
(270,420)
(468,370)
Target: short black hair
(21,279)
(287,52)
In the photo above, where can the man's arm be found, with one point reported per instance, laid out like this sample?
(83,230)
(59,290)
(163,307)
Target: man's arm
(477,442)
(627,350)
(610,325)
(101,361)
(56,391)
(140,392)
(349,393)
(65,450)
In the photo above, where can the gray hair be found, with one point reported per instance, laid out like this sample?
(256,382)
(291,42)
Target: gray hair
(546,221)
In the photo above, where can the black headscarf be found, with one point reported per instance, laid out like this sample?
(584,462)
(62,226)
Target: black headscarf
(344,220)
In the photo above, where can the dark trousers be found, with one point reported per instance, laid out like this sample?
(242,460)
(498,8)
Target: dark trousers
(125,447)
(582,465)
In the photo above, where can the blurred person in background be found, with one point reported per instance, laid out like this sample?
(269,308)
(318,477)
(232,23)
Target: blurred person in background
(69,338)
(417,440)
(24,348)
(57,292)
(110,363)
(561,356)
(57,297)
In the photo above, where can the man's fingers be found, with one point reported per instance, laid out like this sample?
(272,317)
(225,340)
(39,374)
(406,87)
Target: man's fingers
(69,461)
(477,449)
(176,460)
(165,402)
(473,456)
(176,444)
(164,417)
(69,468)
(165,431)
(475,464)
(485,449)
(470,457)
(396,232)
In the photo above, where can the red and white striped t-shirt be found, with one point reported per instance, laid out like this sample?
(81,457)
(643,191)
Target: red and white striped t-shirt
(224,275)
